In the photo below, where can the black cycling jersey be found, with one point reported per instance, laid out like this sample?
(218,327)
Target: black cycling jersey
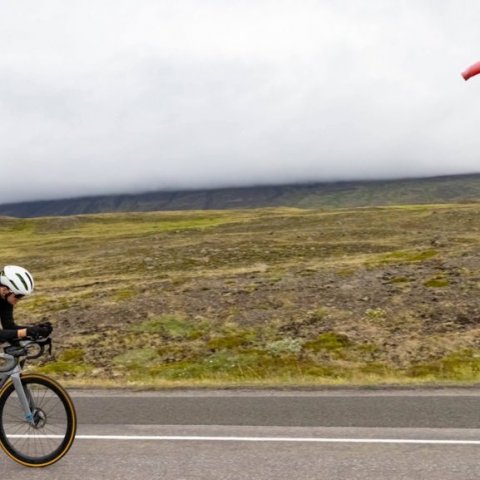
(9,326)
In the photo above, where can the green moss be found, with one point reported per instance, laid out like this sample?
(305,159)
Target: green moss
(463,365)
(229,365)
(375,313)
(143,224)
(136,358)
(72,355)
(407,256)
(65,367)
(172,326)
(70,361)
(327,371)
(376,368)
(122,295)
(222,363)
(437,282)
(328,341)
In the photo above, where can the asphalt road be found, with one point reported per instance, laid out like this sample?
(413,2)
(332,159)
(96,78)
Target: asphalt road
(444,408)
(340,434)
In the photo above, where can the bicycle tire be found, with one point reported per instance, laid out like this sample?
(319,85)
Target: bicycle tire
(12,421)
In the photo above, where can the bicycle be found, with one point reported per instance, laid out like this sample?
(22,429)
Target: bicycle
(38,421)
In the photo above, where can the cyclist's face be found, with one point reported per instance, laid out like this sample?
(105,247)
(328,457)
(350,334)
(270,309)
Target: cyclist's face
(8,295)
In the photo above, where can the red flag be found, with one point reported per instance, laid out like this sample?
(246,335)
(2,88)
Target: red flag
(471,71)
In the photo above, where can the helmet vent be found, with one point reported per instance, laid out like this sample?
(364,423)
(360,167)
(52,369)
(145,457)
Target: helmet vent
(22,280)
(30,279)
(13,283)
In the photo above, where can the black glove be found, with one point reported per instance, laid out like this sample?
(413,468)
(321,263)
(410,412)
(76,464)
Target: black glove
(46,325)
(40,330)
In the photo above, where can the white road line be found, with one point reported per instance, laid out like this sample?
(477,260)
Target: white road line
(175,438)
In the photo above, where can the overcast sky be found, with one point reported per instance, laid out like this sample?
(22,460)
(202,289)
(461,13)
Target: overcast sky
(110,96)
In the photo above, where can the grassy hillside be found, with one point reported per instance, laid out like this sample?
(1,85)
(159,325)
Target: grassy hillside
(452,189)
(269,296)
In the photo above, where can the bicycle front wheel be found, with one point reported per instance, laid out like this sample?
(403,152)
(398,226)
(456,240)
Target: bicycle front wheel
(48,438)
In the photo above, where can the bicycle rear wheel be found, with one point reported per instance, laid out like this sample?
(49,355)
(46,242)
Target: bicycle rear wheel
(53,432)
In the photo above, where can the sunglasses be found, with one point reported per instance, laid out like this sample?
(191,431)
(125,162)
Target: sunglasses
(18,296)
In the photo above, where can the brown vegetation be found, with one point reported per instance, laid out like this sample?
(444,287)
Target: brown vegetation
(260,296)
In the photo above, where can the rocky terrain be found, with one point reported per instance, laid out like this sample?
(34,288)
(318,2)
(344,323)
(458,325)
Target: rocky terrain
(268,296)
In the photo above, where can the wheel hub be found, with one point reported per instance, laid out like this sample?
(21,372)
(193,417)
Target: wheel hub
(39,418)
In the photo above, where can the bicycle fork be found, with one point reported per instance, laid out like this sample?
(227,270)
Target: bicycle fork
(23,396)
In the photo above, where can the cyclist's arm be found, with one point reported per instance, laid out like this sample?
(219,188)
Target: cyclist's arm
(10,328)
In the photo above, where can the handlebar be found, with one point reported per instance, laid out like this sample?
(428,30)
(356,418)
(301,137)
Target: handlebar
(21,348)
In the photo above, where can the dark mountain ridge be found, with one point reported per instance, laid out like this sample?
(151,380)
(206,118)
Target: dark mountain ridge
(443,189)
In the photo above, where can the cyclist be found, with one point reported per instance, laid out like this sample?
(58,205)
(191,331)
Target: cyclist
(16,283)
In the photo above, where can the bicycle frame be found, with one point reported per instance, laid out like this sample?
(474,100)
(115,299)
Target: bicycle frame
(13,370)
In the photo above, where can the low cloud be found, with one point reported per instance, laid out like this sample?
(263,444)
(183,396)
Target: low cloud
(134,96)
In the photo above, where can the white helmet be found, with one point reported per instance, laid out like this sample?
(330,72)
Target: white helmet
(17,279)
